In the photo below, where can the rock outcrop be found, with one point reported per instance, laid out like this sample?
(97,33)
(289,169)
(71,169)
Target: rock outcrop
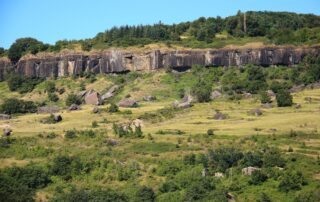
(113,61)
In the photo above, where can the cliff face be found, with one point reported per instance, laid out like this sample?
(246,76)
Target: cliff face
(120,61)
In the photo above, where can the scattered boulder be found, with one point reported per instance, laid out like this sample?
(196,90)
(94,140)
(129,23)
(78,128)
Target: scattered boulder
(215,94)
(184,103)
(110,93)
(92,97)
(74,107)
(313,86)
(149,98)
(249,170)
(218,175)
(297,88)
(57,118)
(247,95)
(255,112)
(5,117)
(297,106)
(48,109)
(219,116)
(128,103)
(270,93)
(267,105)
(95,110)
(137,122)
(7,132)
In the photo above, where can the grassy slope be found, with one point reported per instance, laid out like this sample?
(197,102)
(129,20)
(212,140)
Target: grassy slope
(147,153)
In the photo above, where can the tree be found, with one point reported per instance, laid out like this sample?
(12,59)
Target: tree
(25,45)
(144,194)
(202,91)
(224,158)
(258,177)
(291,180)
(73,99)
(284,98)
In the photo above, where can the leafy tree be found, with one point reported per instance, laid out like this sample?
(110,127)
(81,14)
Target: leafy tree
(22,84)
(73,99)
(224,158)
(284,98)
(258,177)
(202,91)
(25,45)
(252,159)
(272,157)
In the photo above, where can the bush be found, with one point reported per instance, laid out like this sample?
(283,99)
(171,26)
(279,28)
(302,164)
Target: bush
(291,180)
(13,106)
(70,134)
(210,132)
(73,99)
(202,90)
(224,158)
(264,97)
(66,166)
(49,120)
(127,131)
(113,108)
(284,98)
(53,97)
(83,195)
(258,177)
(94,124)
(50,87)
(144,194)
(22,84)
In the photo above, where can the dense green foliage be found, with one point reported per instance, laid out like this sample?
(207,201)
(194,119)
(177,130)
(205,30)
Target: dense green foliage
(13,106)
(284,98)
(73,99)
(22,84)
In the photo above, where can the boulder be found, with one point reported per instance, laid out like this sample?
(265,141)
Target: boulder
(74,107)
(57,118)
(95,110)
(185,102)
(215,94)
(48,109)
(5,117)
(137,122)
(297,106)
(249,170)
(218,175)
(247,95)
(92,97)
(110,93)
(270,93)
(267,105)
(7,132)
(128,103)
(297,88)
(255,112)
(149,98)
(219,116)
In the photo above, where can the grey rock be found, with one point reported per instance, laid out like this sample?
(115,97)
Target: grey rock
(128,103)
(74,107)
(92,97)
(110,93)
(270,93)
(267,105)
(5,117)
(57,117)
(7,132)
(149,98)
(297,88)
(215,94)
(297,106)
(249,170)
(255,112)
(48,109)
(219,116)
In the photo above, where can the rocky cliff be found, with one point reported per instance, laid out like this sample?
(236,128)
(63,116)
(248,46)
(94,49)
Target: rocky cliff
(121,61)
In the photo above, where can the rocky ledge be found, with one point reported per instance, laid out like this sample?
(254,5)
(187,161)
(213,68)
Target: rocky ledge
(114,61)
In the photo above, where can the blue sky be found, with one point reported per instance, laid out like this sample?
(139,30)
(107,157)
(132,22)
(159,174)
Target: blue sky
(52,20)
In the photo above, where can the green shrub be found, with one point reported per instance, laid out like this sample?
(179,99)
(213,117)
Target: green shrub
(291,180)
(264,97)
(13,106)
(22,84)
(50,87)
(258,177)
(113,108)
(53,97)
(210,132)
(94,124)
(224,158)
(73,99)
(284,98)
(69,134)
(66,166)
(202,90)
(144,194)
